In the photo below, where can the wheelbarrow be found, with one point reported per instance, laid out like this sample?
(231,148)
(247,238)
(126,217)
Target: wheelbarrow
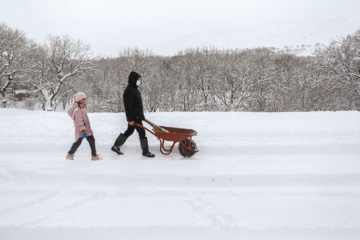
(187,147)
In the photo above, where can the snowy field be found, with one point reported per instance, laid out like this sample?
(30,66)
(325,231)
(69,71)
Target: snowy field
(257,176)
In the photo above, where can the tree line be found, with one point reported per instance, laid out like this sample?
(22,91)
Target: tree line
(46,76)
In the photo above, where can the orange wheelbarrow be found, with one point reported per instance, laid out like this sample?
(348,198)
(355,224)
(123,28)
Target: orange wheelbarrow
(187,146)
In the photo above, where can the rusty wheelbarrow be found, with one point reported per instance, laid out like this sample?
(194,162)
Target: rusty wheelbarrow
(187,146)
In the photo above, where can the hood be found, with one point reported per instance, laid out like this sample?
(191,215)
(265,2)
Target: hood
(73,109)
(133,77)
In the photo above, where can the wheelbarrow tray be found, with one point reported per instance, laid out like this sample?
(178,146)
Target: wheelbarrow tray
(174,134)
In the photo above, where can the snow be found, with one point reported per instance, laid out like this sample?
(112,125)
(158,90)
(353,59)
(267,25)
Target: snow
(257,176)
(299,37)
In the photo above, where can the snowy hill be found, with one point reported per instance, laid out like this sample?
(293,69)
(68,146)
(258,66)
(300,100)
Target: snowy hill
(257,176)
(299,37)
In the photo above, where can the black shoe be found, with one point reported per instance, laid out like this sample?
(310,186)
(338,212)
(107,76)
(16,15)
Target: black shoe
(117,150)
(145,148)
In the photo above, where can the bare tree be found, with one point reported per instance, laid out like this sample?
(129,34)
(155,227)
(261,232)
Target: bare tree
(236,80)
(12,47)
(342,60)
(59,60)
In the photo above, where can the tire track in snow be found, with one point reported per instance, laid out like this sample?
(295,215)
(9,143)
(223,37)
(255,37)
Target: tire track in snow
(28,204)
(77,204)
(210,213)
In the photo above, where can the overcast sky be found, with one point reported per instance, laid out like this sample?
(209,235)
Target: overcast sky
(110,25)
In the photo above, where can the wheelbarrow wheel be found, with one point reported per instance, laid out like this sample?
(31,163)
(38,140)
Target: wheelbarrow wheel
(184,151)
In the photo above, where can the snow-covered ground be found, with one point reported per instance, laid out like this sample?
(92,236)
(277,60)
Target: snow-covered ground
(257,176)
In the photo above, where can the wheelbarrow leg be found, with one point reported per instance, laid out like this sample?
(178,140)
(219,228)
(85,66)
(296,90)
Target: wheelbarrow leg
(163,150)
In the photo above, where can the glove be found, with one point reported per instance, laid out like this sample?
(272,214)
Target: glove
(84,134)
(134,124)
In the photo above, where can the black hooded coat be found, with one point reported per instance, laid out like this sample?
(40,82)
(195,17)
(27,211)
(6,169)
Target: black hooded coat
(132,100)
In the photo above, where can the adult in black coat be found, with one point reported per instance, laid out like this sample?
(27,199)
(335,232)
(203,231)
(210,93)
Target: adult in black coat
(132,100)
(134,115)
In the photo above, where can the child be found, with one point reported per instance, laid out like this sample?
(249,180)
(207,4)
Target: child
(82,127)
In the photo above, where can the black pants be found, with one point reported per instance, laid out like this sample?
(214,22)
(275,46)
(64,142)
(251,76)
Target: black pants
(140,130)
(77,144)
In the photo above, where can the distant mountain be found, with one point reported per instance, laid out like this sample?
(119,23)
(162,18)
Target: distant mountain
(300,38)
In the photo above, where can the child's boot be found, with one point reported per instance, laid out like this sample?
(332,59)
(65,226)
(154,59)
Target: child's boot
(95,158)
(70,156)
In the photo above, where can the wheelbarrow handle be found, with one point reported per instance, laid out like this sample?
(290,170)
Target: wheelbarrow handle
(156,126)
(153,133)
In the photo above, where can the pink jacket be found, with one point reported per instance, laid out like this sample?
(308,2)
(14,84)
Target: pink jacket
(81,120)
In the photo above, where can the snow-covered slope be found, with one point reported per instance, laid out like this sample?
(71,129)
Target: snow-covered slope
(299,37)
(257,176)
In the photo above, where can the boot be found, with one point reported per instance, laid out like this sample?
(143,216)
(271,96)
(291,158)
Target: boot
(118,143)
(95,158)
(145,148)
(117,150)
(70,156)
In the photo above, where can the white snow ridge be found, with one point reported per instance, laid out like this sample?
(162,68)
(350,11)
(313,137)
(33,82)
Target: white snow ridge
(257,176)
